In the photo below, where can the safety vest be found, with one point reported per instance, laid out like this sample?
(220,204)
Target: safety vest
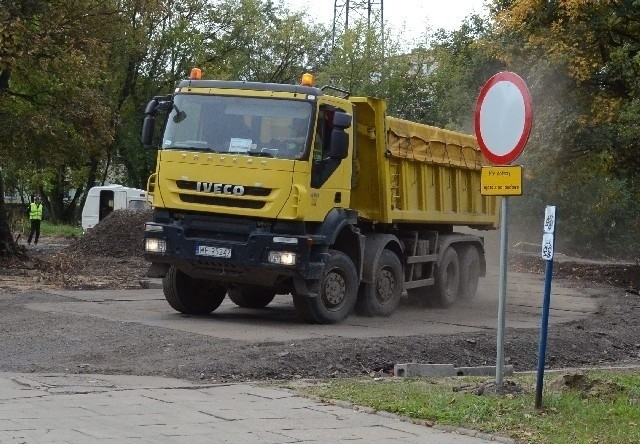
(35,211)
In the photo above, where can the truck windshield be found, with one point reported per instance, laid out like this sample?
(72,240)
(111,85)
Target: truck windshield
(243,125)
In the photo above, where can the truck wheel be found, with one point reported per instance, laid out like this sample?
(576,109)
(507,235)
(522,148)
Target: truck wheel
(469,272)
(337,292)
(447,279)
(382,296)
(251,297)
(189,295)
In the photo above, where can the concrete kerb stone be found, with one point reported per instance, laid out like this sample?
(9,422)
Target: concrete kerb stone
(413,369)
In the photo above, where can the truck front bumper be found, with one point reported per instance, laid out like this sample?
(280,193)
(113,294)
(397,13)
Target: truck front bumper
(251,261)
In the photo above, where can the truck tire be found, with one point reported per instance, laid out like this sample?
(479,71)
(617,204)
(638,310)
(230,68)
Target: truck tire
(189,295)
(337,292)
(382,296)
(447,279)
(251,297)
(469,272)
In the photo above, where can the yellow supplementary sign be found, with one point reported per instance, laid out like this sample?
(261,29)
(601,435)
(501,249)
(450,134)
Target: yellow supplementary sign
(501,181)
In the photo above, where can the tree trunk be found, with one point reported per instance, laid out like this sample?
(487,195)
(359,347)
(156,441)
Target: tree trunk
(8,246)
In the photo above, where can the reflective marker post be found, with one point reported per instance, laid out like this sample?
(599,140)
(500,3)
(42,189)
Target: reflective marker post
(547,254)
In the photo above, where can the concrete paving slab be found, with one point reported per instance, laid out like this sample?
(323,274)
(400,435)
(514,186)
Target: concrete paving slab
(159,410)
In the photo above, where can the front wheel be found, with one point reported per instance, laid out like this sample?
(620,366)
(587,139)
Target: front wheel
(337,292)
(382,296)
(251,297)
(190,295)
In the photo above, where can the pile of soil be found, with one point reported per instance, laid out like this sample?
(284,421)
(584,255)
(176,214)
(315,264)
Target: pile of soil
(118,235)
(107,256)
(623,275)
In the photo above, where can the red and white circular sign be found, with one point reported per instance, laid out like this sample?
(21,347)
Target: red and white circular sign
(503,118)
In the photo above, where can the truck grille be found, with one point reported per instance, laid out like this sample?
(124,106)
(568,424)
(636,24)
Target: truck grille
(222,201)
(222,268)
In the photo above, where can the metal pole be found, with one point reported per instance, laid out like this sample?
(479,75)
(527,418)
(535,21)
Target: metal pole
(502,291)
(544,326)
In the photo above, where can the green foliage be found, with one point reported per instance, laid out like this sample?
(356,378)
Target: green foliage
(464,63)
(608,412)
(75,78)
(580,60)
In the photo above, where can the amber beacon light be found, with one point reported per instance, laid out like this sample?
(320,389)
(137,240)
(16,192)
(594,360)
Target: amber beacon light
(307,79)
(196,74)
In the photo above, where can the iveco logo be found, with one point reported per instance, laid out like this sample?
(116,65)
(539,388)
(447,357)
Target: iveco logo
(220,188)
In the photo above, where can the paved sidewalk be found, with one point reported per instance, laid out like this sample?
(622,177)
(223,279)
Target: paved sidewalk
(60,408)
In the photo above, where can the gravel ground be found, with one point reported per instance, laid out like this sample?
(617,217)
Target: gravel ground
(109,257)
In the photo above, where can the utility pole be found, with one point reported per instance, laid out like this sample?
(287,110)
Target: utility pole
(346,11)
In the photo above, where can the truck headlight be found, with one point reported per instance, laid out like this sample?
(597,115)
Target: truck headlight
(282,257)
(153,245)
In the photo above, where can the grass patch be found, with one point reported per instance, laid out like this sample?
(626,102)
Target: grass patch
(55,230)
(594,407)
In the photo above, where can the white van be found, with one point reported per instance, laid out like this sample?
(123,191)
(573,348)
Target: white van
(103,200)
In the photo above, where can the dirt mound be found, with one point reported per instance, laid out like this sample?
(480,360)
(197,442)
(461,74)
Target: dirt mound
(118,235)
(623,275)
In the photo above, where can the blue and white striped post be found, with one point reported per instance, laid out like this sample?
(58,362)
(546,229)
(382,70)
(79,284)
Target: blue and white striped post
(547,255)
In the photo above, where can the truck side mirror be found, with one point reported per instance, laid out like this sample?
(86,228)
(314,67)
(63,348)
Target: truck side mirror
(339,144)
(147,131)
(158,103)
(341,120)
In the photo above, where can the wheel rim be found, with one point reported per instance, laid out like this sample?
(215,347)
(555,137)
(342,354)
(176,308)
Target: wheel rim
(386,285)
(335,289)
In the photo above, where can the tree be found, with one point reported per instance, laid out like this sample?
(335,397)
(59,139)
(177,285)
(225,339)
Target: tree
(464,63)
(580,59)
(54,115)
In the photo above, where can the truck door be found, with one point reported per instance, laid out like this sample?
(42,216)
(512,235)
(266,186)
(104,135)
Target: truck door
(333,189)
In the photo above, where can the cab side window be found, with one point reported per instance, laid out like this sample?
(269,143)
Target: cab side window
(324,127)
(323,165)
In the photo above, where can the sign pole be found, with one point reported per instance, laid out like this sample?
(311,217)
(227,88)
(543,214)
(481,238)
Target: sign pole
(502,292)
(548,242)
(503,119)
(544,326)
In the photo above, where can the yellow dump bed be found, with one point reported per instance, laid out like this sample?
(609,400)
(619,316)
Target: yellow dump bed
(414,173)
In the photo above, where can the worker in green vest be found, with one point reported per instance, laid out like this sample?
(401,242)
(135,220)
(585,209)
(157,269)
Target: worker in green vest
(35,216)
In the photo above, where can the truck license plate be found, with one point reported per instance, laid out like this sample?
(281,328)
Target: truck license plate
(205,250)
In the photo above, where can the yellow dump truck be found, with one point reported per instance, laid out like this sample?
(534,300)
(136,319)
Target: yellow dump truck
(263,189)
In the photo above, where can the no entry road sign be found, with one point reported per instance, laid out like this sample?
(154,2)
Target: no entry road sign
(503,118)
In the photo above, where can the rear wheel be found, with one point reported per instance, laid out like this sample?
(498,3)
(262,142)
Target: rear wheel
(190,295)
(469,272)
(447,278)
(251,297)
(337,292)
(382,296)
